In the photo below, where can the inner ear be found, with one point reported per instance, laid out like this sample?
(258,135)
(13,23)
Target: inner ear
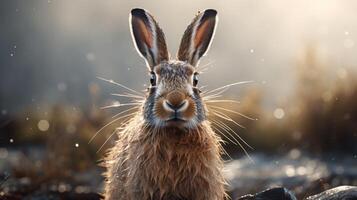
(143,37)
(203,35)
(197,37)
(148,37)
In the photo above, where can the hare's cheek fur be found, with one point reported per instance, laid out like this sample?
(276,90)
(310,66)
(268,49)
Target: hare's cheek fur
(160,111)
(190,111)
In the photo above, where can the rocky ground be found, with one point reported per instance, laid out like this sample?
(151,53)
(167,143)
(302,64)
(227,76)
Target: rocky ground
(301,174)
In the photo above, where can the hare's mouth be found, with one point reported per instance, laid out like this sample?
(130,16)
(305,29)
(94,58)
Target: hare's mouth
(175,121)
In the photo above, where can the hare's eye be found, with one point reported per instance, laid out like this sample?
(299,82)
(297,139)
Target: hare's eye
(153,78)
(195,79)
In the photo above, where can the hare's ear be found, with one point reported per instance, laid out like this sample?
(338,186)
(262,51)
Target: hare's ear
(197,37)
(148,37)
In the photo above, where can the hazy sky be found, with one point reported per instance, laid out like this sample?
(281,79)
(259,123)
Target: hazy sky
(51,50)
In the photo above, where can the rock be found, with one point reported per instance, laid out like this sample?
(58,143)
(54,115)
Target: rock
(278,193)
(337,193)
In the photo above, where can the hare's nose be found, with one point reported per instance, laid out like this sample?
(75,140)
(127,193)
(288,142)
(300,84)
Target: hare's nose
(176,108)
(175,101)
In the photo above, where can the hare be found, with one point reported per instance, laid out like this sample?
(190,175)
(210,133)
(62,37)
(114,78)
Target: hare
(168,151)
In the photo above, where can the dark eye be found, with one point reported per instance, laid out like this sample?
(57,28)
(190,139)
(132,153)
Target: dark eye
(195,79)
(153,78)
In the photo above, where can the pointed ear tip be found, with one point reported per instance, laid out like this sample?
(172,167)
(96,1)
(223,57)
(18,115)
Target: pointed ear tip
(210,12)
(137,12)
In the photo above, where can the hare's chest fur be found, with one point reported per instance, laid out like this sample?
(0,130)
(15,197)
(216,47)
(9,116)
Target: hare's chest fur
(168,167)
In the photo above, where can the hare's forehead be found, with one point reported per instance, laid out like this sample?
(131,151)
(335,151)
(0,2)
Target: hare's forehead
(174,69)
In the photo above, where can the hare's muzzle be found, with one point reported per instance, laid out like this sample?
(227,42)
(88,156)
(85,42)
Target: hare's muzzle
(176,106)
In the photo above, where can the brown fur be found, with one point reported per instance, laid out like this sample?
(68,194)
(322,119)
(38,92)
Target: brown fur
(166,153)
(190,111)
(175,97)
(166,164)
(160,111)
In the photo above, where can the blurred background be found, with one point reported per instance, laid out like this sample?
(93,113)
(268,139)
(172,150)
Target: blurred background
(300,55)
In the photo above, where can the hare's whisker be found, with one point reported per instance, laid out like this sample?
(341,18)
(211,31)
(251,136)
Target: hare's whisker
(105,142)
(235,133)
(113,133)
(229,131)
(223,134)
(115,120)
(226,131)
(141,101)
(229,156)
(205,67)
(239,137)
(120,105)
(224,142)
(203,71)
(210,97)
(241,146)
(216,94)
(228,85)
(125,111)
(200,67)
(219,115)
(226,117)
(202,87)
(222,101)
(121,85)
(128,95)
(235,112)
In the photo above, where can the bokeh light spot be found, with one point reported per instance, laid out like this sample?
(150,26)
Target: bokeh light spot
(62,87)
(279,113)
(295,154)
(290,171)
(43,125)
